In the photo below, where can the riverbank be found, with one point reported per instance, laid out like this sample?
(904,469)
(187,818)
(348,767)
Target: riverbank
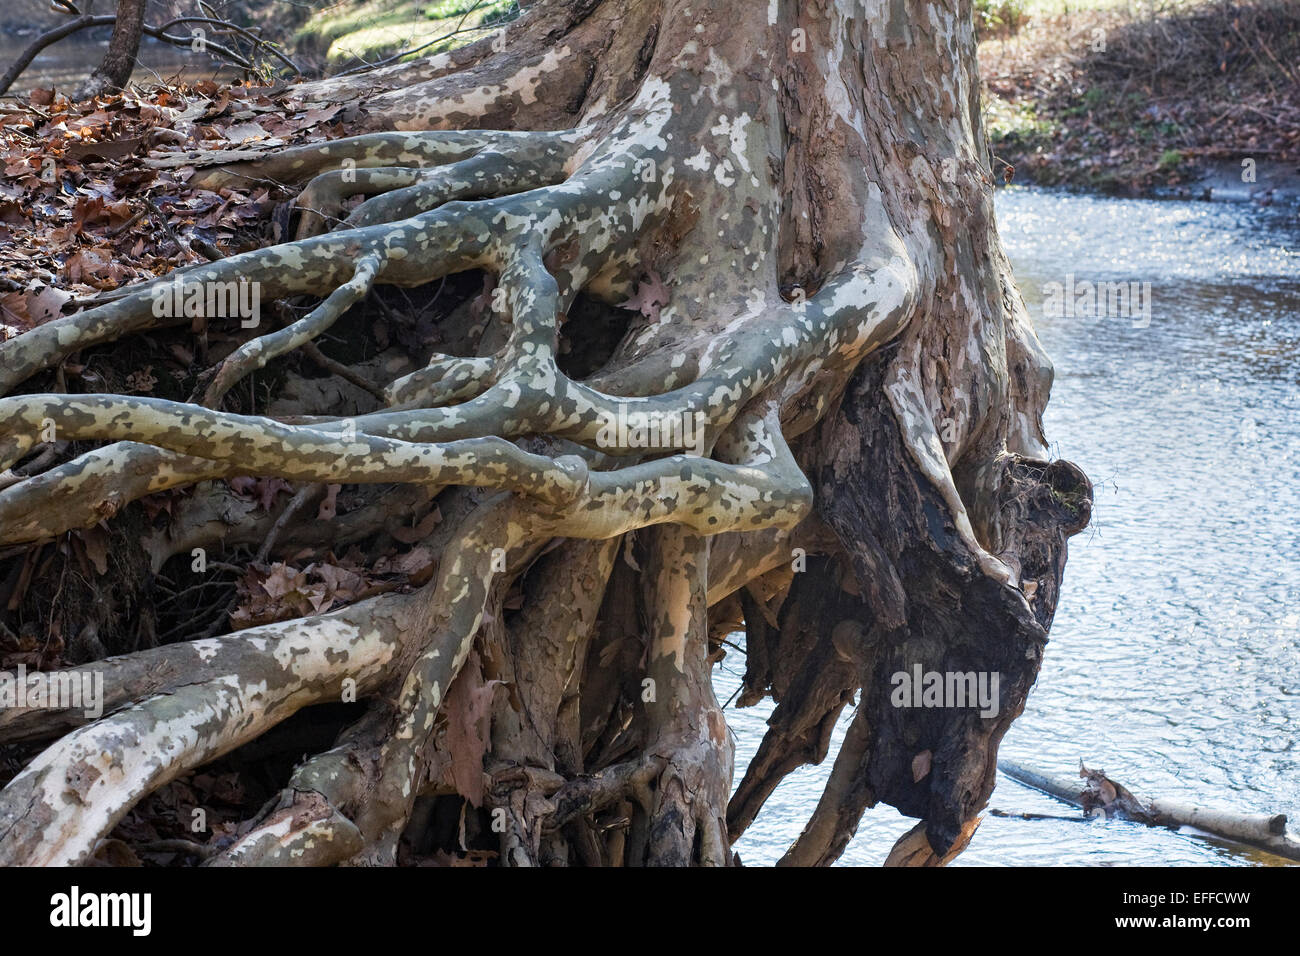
(343,36)
(1184,98)
(322,37)
(1196,98)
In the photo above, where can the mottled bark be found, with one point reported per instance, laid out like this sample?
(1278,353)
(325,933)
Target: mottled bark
(845,395)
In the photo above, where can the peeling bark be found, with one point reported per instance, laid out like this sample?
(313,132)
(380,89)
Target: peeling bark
(823,417)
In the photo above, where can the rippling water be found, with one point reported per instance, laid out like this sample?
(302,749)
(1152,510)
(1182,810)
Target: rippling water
(1173,662)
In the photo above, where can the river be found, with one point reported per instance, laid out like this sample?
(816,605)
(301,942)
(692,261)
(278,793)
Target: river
(1173,662)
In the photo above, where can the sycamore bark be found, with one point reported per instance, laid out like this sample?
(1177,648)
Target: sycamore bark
(799,197)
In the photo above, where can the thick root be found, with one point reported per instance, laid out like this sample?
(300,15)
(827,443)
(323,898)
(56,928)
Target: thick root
(675,451)
(55,811)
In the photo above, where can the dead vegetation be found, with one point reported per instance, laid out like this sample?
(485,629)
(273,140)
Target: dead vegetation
(1127,101)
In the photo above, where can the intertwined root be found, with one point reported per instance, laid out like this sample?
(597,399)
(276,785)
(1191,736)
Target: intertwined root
(516,392)
(438,203)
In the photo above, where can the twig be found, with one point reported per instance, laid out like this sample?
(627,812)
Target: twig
(313,352)
(206,249)
(239,31)
(181,247)
(118,230)
(1037,816)
(296,504)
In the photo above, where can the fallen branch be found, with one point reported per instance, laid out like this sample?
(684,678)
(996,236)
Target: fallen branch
(1094,792)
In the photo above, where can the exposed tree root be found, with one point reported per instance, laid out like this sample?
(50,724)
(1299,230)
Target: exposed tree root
(875,366)
(63,802)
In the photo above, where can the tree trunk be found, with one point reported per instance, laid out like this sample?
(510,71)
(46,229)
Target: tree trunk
(792,202)
(118,64)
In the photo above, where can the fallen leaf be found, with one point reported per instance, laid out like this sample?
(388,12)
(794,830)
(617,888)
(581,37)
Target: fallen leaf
(651,295)
(421,530)
(95,542)
(329,505)
(243,132)
(921,766)
(46,304)
(468,707)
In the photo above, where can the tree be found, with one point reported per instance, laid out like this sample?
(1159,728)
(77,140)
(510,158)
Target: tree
(793,205)
(118,64)
(246,49)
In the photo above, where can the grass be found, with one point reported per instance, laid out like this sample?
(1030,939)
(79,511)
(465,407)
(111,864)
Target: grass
(347,33)
(1170,159)
(1005,18)
(1020,120)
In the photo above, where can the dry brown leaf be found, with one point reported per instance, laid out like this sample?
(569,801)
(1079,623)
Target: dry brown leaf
(421,530)
(468,707)
(921,766)
(651,295)
(46,304)
(329,507)
(95,541)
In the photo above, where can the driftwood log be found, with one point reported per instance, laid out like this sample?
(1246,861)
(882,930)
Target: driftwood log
(1096,793)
